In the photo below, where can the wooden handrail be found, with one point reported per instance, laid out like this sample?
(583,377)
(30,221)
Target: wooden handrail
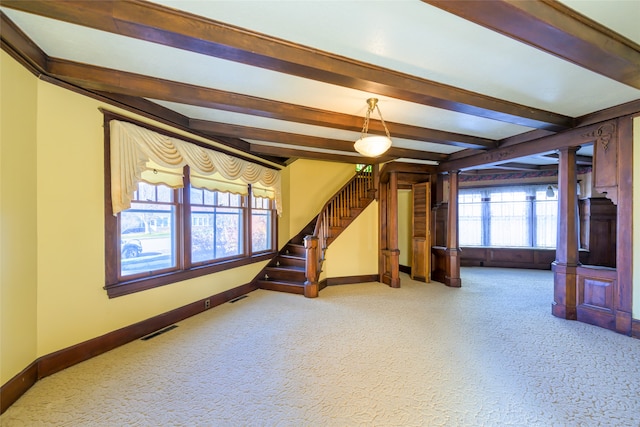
(356,193)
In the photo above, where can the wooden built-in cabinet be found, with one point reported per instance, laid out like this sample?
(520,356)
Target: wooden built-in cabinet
(598,228)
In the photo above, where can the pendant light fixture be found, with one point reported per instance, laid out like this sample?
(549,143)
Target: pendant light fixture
(372,145)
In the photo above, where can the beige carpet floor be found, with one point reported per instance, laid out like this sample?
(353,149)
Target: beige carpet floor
(488,354)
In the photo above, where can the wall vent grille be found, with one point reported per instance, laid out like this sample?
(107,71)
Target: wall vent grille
(160,332)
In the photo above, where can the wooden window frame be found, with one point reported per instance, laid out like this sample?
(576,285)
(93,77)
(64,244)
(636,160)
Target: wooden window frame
(486,219)
(273,224)
(185,270)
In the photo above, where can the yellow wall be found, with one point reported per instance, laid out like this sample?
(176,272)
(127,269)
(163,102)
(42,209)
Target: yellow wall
(52,201)
(311,184)
(72,306)
(18,241)
(355,251)
(284,233)
(636,219)
(405,228)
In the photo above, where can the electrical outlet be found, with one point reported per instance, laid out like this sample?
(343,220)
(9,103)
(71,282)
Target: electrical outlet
(207,304)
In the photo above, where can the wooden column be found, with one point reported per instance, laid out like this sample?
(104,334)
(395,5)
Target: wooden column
(564,267)
(382,230)
(452,275)
(624,253)
(392,230)
(311,288)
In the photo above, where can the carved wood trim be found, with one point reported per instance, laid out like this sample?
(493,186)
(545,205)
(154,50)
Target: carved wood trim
(605,160)
(603,135)
(574,137)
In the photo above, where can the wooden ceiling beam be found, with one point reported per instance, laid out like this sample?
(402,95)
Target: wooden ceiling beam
(245,132)
(571,138)
(268,135)
(516,166)
(556,29)
(580,160)
(108,80)
(259,149)
(158,24)
(407,153)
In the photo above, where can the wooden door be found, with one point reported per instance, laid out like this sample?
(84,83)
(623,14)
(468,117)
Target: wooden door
(421,238)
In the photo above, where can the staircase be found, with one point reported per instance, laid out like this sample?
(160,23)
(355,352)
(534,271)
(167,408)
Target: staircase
(286,272)
(289,270)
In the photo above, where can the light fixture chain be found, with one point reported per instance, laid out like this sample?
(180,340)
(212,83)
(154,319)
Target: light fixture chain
(365,126)
(384,125)
(374,145)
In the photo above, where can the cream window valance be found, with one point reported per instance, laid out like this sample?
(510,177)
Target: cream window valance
(139,154)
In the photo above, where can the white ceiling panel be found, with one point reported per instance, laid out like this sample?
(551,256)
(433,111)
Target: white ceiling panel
(421,40)
(508,78)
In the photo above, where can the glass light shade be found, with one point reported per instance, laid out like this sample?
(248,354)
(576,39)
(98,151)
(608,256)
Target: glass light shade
(373,145)
(550,192)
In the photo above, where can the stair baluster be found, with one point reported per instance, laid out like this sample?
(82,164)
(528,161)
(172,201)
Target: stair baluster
(297,266)
(345,205)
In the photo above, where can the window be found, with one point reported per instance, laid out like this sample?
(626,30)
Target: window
(261,219)
(173,223)
(523,216)
(217,225)
(148,236)
(166,234)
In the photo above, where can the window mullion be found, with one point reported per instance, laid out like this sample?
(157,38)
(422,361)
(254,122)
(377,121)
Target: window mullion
(185,216)
(532,221)
(486,220)
(248,220)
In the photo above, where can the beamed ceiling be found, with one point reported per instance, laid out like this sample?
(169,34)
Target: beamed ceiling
(281,80)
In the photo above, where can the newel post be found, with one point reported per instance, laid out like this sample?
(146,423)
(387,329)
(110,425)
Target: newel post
(311,267)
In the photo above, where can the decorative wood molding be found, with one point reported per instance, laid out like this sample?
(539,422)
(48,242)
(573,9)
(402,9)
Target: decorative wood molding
(498,155)
(602,135)
(605,160)
(67,357)
(594,300)
(571,138)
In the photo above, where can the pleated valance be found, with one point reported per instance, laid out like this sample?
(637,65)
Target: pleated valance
(139,154)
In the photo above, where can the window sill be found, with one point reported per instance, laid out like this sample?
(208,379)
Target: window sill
(141,284)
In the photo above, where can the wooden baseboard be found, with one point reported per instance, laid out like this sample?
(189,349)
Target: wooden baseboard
(62,359)
(635,328)
(405,269)
(17,386)
(348,280)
